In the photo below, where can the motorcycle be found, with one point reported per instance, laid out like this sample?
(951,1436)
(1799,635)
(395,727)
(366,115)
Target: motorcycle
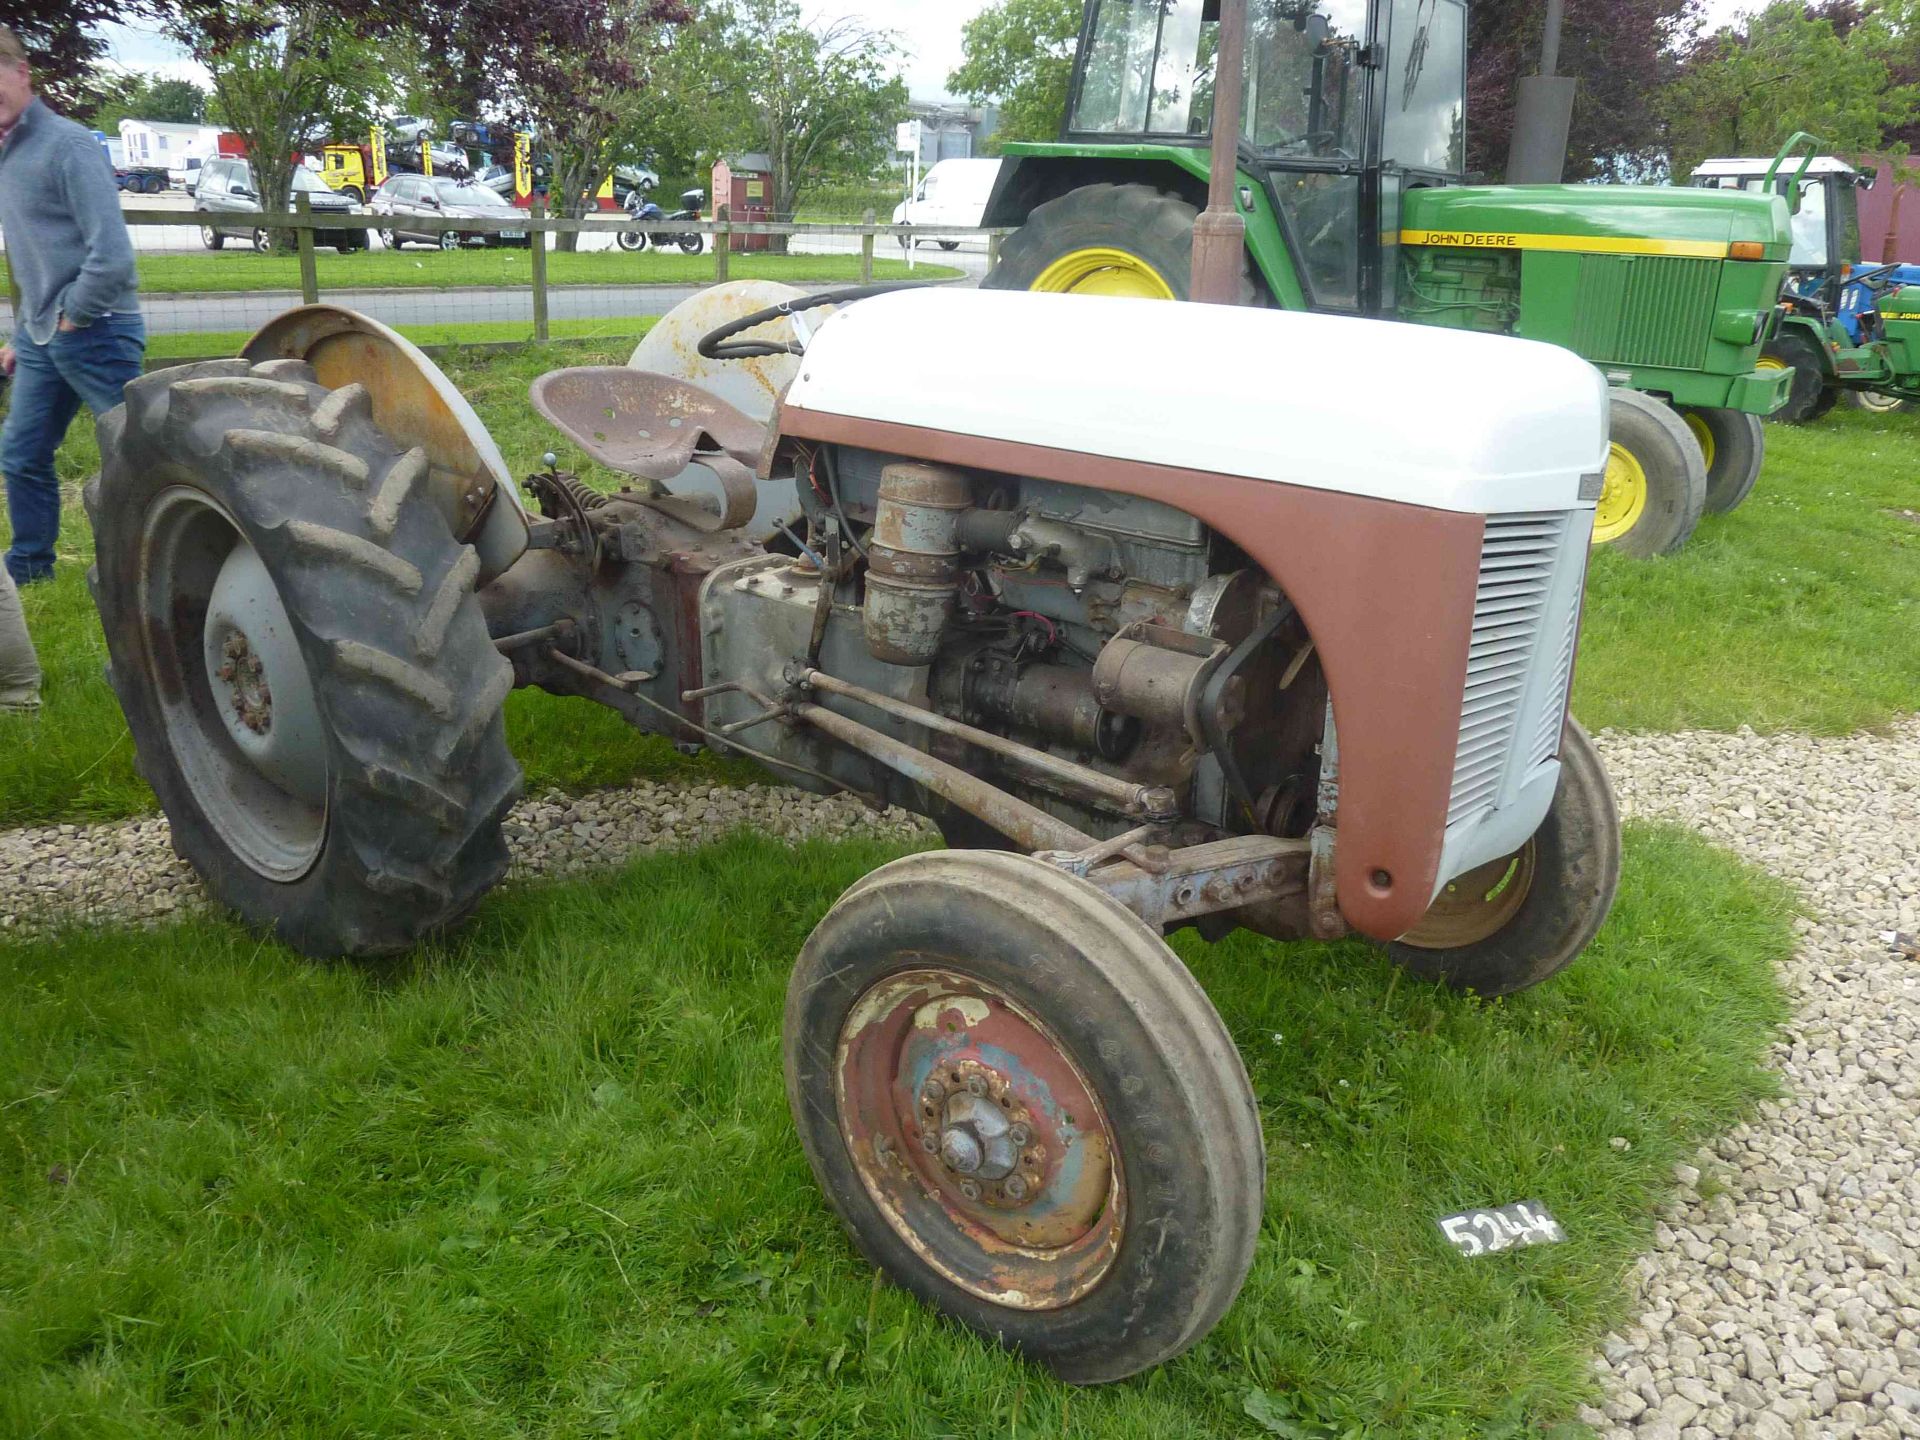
(691,242)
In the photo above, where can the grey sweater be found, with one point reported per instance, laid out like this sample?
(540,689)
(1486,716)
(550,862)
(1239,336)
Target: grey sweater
(60,221)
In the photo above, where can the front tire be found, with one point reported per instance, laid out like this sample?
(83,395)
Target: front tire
(449,240)
(1734,446)
(211,238)
(1655,487)
(303,664)
(1878,402)
(1522,918)
(633,241)
(1025,1110)
(1108,240)
(1811,395)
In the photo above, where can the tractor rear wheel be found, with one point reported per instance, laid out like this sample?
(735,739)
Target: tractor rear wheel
(1811,396)
(1107,240)
(1655,485)
(1734,445)
(1514,922)
(303,664)
(1025,1110)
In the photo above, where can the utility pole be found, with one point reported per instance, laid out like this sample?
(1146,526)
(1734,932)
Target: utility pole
(1543,113)
(1219,234)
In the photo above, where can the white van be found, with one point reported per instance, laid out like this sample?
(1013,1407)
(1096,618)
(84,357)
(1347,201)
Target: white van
(953,193)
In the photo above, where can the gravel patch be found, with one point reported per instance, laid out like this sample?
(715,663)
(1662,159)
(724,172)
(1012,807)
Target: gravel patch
(1788,1304)
(1785,1305)
(127,872)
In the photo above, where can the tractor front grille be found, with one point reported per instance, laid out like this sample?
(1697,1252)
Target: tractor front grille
(1654,310)
(1525,623)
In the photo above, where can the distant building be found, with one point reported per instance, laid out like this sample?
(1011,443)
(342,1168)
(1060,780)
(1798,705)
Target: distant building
(949,130)
(162,144)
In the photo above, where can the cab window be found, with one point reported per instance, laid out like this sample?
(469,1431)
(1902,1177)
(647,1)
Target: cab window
(1427,68)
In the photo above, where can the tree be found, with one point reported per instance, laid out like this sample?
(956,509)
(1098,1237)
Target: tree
(817,99)
(63,41)
(1622,53)
(301,72)
(146,97)
(1834,72)
(1020,52)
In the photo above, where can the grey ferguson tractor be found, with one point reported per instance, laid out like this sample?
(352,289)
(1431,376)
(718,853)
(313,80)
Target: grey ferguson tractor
(1157,638)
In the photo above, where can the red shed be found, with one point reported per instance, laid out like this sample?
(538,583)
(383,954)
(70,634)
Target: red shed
(744,184)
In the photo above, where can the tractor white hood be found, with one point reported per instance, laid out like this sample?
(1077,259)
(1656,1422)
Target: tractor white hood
(1441,418)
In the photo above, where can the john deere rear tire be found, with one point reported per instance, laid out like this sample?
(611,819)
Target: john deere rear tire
(1527,916)
(303,664)
(1108,240)
(1812,395)
(1656,479)
(1735,446)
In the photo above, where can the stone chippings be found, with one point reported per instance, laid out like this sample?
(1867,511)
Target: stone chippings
(128,871)
(1786,1305)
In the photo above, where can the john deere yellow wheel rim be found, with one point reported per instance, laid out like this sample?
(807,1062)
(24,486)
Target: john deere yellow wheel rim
(1099,270)
(1769,362)
(1623,498)
(1702,432)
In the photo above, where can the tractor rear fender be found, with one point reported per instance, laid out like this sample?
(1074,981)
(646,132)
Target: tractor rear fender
(1028,181)
(1815,334)
(416,405)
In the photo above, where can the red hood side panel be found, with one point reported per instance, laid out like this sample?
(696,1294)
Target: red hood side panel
(1387,592)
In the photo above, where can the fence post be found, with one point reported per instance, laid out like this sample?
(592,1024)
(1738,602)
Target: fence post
(866,249)
(722,243)
(993,249)
(537,252)
(303,242)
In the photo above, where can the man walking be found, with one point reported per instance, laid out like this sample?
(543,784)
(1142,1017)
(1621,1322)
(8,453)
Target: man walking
(78,336)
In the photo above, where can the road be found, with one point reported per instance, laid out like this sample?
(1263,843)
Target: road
(248,310)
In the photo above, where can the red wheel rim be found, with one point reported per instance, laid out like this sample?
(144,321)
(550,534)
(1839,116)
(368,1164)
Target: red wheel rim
(980,1139)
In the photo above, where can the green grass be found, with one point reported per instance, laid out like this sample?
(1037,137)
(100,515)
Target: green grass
(243,268)
(540,1180)
(1799,611)
(74,761)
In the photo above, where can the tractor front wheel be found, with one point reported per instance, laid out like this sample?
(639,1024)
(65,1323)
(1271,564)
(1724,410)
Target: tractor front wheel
(1025,1110)
(1515,921)
(1107,240)
(1811,396)
(1655,485)
(1878,402)
(1734,446)
(304,667)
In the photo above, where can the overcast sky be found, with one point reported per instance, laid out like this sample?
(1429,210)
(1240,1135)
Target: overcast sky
(928,32)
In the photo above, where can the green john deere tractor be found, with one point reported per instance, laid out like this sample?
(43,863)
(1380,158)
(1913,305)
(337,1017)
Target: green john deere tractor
(1349,181)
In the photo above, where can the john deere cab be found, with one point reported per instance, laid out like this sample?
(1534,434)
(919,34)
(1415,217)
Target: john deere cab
(1351,184)
(1845,328)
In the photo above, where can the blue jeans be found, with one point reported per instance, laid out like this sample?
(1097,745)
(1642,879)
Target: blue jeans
(50,382)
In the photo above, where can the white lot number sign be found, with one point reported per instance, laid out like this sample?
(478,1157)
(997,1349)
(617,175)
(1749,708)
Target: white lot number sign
(906,137)
(1487,1232)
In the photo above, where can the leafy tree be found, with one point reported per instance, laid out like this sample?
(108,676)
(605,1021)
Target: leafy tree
(1841,73)
(818,99)
(62,39)
(299,73)
(133,96)
(1020,52)
(1622,53)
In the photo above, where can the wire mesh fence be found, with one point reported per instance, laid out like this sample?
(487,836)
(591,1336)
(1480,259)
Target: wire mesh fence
(211,273)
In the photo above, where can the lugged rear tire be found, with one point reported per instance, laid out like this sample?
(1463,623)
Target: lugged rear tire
(1108,239)
(1810,396)
(399,834)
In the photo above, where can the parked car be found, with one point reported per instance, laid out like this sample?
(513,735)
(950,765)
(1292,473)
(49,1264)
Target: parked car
(406,200)
(953,194)
(226,187)
(186,174)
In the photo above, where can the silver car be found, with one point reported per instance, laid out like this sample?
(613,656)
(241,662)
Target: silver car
(399,205)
